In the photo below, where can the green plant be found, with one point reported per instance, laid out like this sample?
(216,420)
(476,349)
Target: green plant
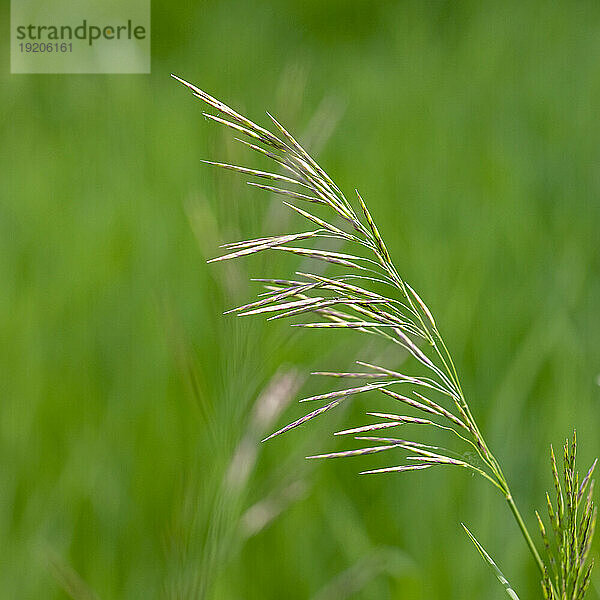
(566,575)
(370,296)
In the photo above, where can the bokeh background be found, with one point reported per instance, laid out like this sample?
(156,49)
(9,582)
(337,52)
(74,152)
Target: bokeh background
(131,409)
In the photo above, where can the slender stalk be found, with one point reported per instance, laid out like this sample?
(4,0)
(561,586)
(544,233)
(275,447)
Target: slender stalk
(525,532)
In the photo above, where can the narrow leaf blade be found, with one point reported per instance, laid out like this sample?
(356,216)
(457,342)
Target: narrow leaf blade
(499,575)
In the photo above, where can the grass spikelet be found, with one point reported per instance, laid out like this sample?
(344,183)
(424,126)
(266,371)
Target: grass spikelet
(376,235)
(304,419)
(347,392)
(246,171)
(274,242)
(284,192)
(358,452)
(372,427)
(396,469)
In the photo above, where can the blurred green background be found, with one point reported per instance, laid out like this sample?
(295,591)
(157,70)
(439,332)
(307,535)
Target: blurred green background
(131,408)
